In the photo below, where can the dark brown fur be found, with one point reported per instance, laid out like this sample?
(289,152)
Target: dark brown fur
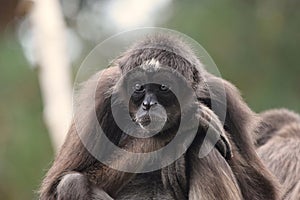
(215,176)
(278,145)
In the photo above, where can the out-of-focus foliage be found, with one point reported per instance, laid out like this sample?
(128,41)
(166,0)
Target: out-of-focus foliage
(255,44)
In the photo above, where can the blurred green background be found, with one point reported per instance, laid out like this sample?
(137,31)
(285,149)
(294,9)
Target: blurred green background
(255,45)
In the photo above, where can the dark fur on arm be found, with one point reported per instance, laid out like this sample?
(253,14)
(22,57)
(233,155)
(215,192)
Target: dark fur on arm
(211,177)
(68,160)
(252,176)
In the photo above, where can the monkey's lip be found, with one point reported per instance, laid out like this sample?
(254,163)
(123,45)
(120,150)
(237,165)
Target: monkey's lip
(150,120)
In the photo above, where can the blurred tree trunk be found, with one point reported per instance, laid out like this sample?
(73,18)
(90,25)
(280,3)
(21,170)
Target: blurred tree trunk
(54,67)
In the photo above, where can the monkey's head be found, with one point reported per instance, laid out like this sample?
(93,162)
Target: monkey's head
(158,82)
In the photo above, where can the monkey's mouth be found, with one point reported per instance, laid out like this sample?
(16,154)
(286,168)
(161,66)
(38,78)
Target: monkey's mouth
(151,122)
(145,120)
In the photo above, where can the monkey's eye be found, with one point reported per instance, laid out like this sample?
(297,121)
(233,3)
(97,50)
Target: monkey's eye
(138,87)
(163,87)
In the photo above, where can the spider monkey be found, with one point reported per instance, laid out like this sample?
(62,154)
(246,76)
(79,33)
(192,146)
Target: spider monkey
(163,66)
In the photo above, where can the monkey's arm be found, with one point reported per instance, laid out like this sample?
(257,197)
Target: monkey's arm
(253,177)
(211,177)
(185,177)
(212,170)
(99,180)
(73,155)
(112,180)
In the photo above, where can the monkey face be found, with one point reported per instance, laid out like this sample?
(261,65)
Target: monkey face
(153,106)
(153,96)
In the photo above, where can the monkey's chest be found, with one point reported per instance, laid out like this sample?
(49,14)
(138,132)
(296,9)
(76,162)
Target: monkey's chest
(146,187)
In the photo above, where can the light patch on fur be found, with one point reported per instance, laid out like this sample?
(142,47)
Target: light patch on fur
(70,179)
(151,65)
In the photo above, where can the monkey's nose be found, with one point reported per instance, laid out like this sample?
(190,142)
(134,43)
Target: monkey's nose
(148,104)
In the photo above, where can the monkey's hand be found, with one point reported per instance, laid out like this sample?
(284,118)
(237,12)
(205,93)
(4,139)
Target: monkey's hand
(75,185)
(215,133)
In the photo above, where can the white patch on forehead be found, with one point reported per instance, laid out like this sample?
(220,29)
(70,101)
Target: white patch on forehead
(151,65)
